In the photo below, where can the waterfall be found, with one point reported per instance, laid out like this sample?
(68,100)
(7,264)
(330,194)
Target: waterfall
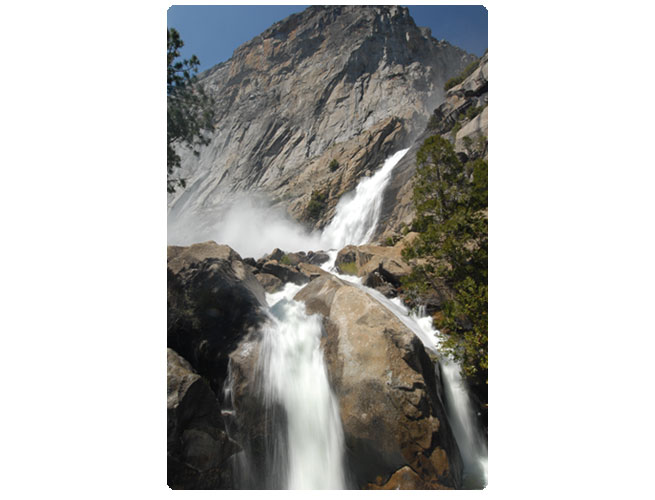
(294,375)
(462,419)
(461,415)
(357,213)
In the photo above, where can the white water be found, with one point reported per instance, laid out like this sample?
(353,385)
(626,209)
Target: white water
(295,376)
(357,213)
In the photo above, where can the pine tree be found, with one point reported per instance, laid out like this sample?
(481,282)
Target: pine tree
(450,254)
(190,109)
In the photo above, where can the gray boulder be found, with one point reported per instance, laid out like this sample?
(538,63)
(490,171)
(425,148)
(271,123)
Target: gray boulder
(390,400)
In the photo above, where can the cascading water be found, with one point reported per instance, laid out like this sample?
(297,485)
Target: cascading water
(294,375)
(309,454)
(357,214)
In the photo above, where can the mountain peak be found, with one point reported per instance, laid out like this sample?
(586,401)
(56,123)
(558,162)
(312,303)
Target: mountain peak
(346,83)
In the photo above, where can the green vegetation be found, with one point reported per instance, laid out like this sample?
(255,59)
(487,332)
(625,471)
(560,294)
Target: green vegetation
(391,240)
(456,128)
(473,111)
(456,80)
(285,260)
(348,268)
(450,198)
(334,164)
(316,206)
(190,110)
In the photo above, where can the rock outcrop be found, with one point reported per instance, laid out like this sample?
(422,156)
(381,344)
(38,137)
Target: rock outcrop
(199,449)
(381,267)
(213,302)
(392,414)
(464,111)
(347,83)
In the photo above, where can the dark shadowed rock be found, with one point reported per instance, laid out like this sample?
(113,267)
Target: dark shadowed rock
(317,258)
(390,402)
(284,273)
(199,449)
(213,301)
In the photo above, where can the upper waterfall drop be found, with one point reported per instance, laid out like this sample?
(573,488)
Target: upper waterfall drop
(357,214)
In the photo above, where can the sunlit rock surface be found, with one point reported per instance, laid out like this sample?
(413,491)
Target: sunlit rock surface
(347,83)
(389,397)
(397,207)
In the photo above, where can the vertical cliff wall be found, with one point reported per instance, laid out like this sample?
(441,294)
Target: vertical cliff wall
(345,83)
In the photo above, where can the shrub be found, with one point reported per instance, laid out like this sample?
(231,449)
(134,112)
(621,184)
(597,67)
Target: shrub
(334,164)
(473,111)
(316,205)
(348,268)
(456,80)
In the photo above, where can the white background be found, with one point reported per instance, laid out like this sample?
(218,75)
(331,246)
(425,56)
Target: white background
(84,233)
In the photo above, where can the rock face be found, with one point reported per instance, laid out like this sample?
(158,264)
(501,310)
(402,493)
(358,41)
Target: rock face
(389,397)
(381,267)
(347,83)
(468,96)
(213,302)
(199,450)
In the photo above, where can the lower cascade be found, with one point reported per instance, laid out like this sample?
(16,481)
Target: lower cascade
(293,374)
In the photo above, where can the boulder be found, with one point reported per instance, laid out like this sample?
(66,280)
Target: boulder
(385,262)
(213,301)
(317,258)
(199,449)
(403,479)
(311,271)
(390,400)
(270,283)
(284,272)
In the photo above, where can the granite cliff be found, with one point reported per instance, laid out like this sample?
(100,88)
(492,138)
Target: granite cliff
(308,107)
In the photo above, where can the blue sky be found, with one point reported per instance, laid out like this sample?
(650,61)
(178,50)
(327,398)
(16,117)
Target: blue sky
(212,32)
